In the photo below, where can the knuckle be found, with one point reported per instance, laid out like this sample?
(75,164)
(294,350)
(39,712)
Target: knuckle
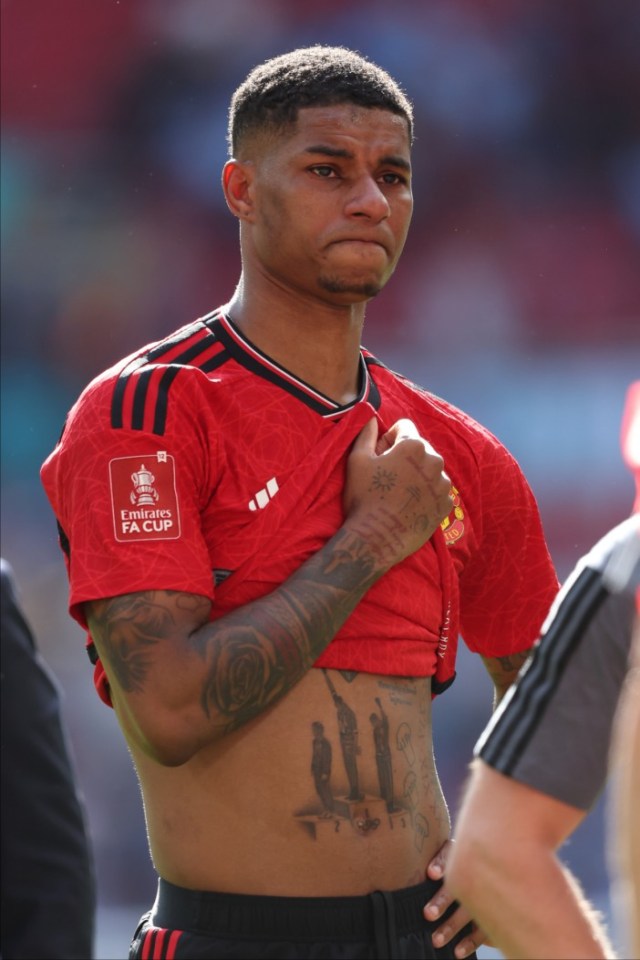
(414,445)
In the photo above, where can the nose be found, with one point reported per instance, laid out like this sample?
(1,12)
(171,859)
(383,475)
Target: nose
(368,200)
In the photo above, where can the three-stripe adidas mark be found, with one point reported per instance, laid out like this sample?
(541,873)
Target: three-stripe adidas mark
(263,496)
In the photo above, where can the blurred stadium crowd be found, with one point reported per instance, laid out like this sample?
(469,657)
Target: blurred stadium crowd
(518,296)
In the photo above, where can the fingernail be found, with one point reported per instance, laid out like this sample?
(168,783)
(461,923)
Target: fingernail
(436,870)
(431,912)
(438,939)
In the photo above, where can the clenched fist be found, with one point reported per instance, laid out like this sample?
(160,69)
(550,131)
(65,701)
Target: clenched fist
(397,492)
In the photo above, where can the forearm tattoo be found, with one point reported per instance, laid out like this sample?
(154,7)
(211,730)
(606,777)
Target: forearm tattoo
(250,657)
(127,629)
(259,652)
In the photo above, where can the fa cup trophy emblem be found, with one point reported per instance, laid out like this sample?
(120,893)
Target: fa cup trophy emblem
(145,492)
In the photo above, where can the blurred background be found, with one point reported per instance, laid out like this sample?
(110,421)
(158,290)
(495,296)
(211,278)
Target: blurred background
(518,297)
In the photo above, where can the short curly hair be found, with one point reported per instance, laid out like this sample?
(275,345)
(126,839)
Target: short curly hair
(273,92)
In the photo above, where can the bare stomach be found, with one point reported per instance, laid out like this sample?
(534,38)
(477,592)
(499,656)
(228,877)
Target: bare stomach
(332,792)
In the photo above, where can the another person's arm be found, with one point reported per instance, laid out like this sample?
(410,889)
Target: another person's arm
(625,819)
(506,588)
(179,682)
(503,672)
(527,793)
(504,868)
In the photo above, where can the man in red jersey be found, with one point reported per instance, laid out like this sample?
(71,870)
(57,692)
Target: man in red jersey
(257,517)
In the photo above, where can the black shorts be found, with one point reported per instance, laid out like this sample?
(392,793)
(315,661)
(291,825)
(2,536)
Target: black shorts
(192,925)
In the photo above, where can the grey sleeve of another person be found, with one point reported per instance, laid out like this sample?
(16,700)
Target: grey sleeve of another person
(553,729)
(48,885)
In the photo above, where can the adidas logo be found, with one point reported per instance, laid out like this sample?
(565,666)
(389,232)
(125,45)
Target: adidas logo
(263,496)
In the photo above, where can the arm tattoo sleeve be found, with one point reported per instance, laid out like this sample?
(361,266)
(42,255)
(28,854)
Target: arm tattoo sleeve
(246,660)
(259,652)
(128,629)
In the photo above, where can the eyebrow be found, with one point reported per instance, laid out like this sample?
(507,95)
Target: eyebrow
(392,159)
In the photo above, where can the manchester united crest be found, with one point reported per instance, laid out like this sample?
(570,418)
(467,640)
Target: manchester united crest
(453,525)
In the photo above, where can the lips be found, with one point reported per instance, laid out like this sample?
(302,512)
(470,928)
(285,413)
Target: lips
(369,241)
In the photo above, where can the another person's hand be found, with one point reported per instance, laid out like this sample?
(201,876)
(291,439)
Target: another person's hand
(397,491)
(459,918)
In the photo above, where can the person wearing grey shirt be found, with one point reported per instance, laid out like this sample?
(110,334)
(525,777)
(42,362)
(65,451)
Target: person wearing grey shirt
(542,762)
(553,729)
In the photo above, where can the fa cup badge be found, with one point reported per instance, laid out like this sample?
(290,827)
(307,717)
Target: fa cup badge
(145,492)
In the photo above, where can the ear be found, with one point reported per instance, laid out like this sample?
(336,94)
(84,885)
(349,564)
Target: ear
(236,184)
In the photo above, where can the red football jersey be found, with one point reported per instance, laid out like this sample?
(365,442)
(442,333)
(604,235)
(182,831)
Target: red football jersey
(200,465)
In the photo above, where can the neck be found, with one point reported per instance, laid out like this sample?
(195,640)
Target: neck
(316,342)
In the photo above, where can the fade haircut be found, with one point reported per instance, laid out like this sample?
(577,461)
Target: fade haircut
(273,92)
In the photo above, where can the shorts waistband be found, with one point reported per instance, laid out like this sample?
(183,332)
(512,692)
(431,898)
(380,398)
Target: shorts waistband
(267,917)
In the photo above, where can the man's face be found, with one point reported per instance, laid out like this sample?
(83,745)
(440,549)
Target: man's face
(332,202)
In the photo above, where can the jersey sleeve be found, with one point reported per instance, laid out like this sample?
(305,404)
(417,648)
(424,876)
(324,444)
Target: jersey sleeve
(553,728)
(509,582)
(128,485)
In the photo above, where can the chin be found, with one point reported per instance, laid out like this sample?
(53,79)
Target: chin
(354,291)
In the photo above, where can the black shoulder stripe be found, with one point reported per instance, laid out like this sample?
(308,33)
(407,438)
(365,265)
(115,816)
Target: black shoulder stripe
(187,356)
(215,362)
(140,398)
(160,416)
(117,401)
(162,348)
(141,373)
(515,725)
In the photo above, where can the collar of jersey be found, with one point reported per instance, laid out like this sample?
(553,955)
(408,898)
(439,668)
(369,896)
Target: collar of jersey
(251,357)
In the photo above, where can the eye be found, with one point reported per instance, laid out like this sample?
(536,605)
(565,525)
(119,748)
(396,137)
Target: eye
(323,170)
(393,178)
